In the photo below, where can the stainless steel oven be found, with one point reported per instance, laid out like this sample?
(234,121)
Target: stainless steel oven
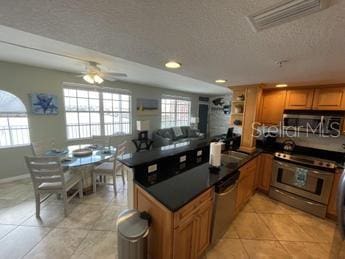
(303,183)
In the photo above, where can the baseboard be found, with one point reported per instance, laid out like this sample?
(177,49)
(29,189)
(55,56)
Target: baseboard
(14,178)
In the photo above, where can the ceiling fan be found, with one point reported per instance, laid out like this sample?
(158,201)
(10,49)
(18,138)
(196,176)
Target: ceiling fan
(94,73)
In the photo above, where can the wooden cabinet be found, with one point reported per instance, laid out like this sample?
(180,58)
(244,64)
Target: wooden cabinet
(329,98)
(183,234)
(332,203)
(265,172)
(246,183)
(185,239)
(272,106)
(299,99)
(193,230)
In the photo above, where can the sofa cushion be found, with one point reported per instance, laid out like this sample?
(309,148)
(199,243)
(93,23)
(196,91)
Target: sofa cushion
(165,133)
(177,132)
(185,130)
(193,133)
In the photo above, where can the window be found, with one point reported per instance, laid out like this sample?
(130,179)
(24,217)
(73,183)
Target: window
(96,112)
(116,114)
(175,112)
(14,126)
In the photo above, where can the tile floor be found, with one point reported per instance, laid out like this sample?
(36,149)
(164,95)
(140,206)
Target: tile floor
(263,229)
(87,232)
(268,229)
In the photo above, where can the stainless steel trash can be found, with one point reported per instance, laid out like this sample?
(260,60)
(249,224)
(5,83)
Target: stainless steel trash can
(132,231)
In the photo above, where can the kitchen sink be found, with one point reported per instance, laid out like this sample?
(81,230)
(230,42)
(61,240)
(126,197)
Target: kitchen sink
(231,158)
(235,155)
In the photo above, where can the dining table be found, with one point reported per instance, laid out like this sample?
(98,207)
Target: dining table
(83,164)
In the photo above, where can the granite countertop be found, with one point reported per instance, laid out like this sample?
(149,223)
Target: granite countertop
(179,190)
(135,159)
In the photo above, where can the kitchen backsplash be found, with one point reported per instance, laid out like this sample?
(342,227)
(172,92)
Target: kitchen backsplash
(315,141)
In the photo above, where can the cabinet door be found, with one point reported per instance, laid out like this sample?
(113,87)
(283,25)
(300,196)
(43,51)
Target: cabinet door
(185,239)
(272,106)
(265,171)
(329,98)
(332,204)
(245,187)
(299,99)
(203,228)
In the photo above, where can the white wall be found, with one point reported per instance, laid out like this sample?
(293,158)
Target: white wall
(22,80)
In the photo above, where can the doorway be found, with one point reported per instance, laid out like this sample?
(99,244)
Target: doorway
(203,117)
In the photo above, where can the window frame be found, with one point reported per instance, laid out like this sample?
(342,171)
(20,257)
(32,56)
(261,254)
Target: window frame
(101,111)
(176,99)
(8,116)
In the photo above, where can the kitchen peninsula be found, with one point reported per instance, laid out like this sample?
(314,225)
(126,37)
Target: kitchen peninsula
(176,188)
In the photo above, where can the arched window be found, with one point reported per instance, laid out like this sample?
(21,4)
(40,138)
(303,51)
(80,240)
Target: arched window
(14,126)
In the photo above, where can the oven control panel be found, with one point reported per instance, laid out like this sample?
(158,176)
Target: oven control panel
(306,160)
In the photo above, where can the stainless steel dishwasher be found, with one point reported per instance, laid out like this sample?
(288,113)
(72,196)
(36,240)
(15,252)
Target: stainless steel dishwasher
(224,206)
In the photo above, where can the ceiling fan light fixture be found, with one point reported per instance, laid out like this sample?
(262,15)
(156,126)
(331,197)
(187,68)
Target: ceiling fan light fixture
(88,78)
(98,79)
(221,81)
(172,65)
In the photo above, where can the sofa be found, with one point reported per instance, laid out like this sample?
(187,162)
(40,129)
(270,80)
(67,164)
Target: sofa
(168,136)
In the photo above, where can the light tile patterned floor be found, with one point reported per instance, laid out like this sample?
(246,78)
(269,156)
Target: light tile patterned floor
(263,229)
(268,229)
(87,232)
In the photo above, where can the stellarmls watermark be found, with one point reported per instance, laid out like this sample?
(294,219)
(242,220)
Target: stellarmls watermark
(260,130)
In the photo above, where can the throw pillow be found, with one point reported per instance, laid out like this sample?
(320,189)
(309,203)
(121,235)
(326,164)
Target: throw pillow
(177,132)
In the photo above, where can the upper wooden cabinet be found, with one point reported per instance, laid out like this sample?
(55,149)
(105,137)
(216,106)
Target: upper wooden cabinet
(299,99)
(329,98)
(272,106)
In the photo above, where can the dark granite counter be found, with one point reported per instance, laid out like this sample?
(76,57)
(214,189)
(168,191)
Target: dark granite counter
(178,190)
(155,154)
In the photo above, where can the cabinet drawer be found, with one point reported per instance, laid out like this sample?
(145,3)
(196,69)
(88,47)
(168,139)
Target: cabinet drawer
(192,207)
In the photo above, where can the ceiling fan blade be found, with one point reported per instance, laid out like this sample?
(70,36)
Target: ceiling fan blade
(109,78)
(115,74)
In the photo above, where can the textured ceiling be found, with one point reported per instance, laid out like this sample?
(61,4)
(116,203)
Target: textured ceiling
(212,38)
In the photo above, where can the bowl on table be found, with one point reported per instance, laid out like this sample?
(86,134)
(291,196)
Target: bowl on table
(82,152)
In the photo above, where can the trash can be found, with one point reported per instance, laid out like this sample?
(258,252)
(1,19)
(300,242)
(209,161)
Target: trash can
(132,231)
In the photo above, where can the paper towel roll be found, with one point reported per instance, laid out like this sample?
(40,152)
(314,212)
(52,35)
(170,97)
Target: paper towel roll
(215,154)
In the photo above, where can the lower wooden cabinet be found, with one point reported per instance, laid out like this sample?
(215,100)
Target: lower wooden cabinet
(182,234)
(192,237)
(265,171)
(332,203)
(246,183)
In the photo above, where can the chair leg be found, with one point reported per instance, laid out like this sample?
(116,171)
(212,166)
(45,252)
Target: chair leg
(38,204)
(123,175)
(114,184)
(94,176)
(80,189)
(65,203)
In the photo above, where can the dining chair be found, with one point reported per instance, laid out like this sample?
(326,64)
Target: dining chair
(103,141)
(110,168)
(39,148)
(49,178)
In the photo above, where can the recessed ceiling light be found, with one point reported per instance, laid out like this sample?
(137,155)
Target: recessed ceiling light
(281,85)
(221,81)
(172,64)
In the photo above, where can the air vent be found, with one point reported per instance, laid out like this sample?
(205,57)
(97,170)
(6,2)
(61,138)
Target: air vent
(284,12)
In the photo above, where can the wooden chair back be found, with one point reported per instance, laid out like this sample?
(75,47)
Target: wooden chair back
(45,170)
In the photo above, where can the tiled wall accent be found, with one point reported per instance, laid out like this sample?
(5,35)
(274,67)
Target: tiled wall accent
(218,121)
